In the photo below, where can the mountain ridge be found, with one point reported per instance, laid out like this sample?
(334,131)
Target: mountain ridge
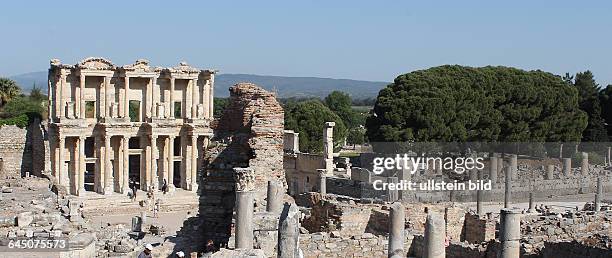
(285,86)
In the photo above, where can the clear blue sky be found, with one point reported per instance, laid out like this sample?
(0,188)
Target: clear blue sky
(367,40)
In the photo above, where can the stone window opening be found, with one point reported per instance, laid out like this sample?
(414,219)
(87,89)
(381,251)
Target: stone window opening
(135,111)
(134,143)
(89,147)
(178,109)
(90,109)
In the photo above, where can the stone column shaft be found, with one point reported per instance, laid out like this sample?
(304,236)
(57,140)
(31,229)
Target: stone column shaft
(154,92)
(60,101)
(397,218)
(82,166)
(126,164)
(245,186)
(194,100)
(211,96)
(206,99)
(289,232)
(567,166)
(81,96)
(584,167)
(514,166)
(493,171)
(435,235)
(147,164)
(392,195)
(508,188)
(171,162)
(194,163)
(126,98)
(171,113)
(322,181)
(166,160)
(531,207)
(274,197)
(61,171)
(598,195)
(550,172)
(510,234)
(108,175)
(154,157)
(107,99)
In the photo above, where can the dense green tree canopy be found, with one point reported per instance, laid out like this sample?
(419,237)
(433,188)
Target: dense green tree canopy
(340,103)
(8,90)
(308,119)
(457,103)
(589,102)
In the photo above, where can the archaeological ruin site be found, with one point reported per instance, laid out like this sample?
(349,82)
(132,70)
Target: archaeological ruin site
(133,155)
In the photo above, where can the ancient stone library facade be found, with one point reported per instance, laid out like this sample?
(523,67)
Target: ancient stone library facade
(111,125)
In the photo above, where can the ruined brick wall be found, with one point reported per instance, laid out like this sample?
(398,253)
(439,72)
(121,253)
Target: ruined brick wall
(41,152)
(328,245)
(13,151)
(248,134)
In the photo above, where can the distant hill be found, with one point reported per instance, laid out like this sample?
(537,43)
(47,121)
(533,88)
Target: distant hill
(284,86)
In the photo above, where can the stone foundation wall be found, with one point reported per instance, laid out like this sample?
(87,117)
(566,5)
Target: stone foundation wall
(325,245)
(13,151)
(478,230)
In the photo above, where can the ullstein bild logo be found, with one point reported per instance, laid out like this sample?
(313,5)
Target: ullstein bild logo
(412,164)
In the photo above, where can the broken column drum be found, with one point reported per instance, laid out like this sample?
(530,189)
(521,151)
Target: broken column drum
(510,233)
(435,236)
(396,231)
(274,197)
(584,167)
(245,186)
(322,181)
(567,166)
(289,232)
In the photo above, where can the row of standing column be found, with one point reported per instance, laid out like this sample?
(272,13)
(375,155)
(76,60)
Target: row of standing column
(207,96)
(104,177)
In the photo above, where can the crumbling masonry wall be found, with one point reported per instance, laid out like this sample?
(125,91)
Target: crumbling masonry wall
(249,134)
(13,151)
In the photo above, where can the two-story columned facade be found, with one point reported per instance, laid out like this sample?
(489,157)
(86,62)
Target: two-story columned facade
(110,125)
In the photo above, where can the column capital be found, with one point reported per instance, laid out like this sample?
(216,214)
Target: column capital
(245,179)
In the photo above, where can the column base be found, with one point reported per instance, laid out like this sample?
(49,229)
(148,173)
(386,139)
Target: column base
(171,188)
(81,192)
(193,187)
(108,190)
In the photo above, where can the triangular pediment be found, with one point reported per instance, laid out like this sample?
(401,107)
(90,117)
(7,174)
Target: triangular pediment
(96,63)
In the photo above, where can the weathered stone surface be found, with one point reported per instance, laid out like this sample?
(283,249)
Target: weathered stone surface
(288,232)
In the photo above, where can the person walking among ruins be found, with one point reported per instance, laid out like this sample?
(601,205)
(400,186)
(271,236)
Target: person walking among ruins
(164,187)
(134,190)
(156,208)
(146,253)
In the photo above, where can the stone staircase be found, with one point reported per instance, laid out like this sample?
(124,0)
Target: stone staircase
(115,204)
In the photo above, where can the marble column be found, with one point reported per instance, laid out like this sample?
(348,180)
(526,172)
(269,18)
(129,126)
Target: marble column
(147,164)
(598,195)
(171,111)
(322,173)
(531,207)
(62,173)
(194,163)
(60,101)
(493,171)
(508,187)
(82,96)
(567,166)
(211,97)
(153,97)
(108,175)
(245,186)
(171,163)
(289,232)
(396,231)
(550,169)
(274,197)
(126,98)
(194,99)
(510,233)
(98,175)
(205,98)
(82,166)
(154,158)
(166,160)
(584,167)
(392,194)
(149,99)
(74,167)
(435,236)
(107,95)
(328,146)
(514,166)
(125,187)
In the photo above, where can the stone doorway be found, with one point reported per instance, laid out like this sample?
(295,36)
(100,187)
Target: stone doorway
(176,181)
(89,179)
(134,171)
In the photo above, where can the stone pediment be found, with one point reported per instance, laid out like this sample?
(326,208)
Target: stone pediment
(96,63)
(141,65)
